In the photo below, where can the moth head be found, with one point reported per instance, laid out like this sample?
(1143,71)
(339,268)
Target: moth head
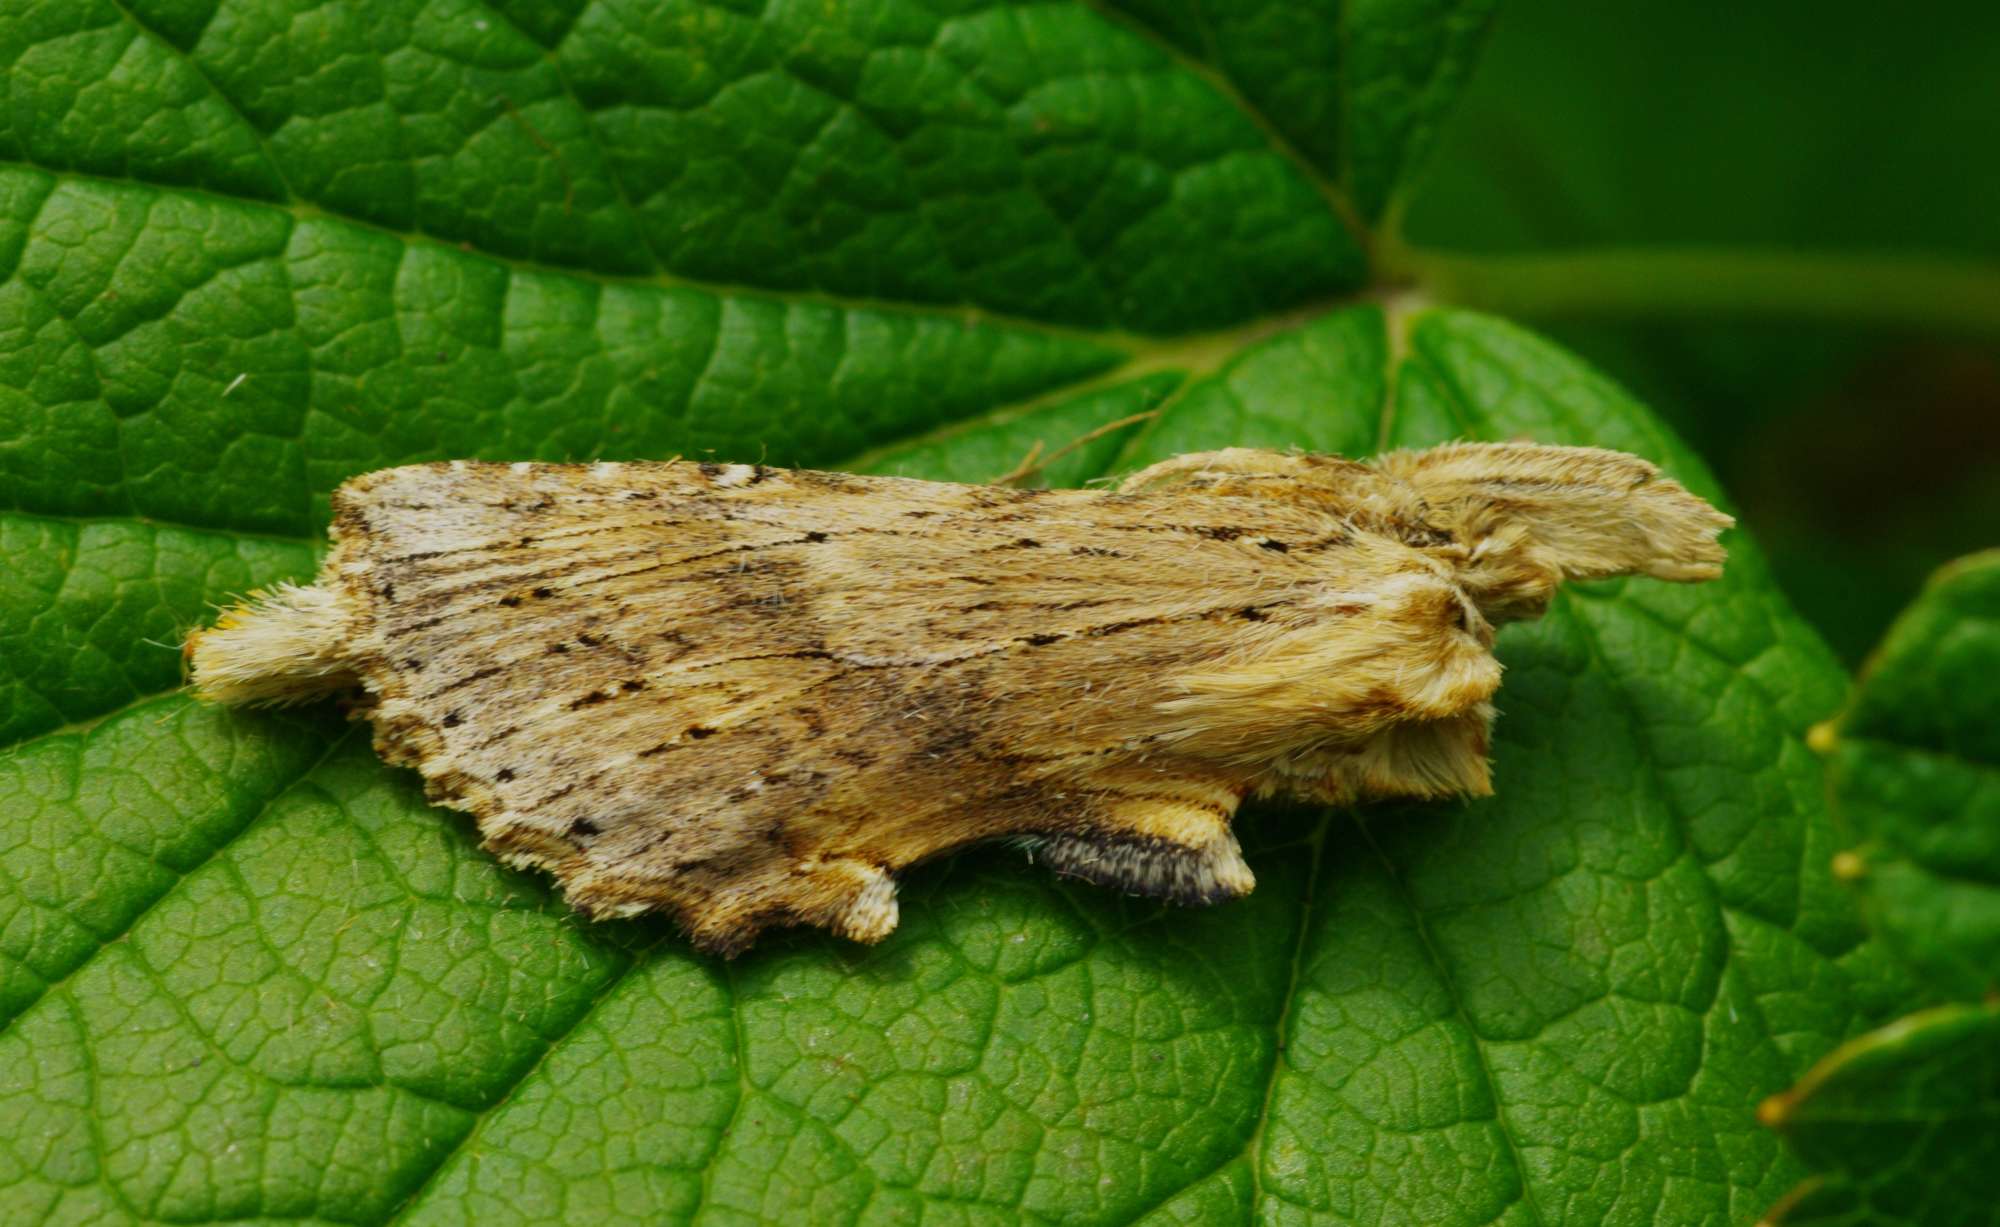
(1523,517)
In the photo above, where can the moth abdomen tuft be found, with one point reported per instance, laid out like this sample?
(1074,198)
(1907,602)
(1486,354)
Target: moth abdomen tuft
(286,645)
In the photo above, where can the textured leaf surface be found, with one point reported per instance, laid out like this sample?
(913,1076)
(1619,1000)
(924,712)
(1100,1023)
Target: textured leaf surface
(1904,1124)
(1356,89)
(1916,778)
(248,249)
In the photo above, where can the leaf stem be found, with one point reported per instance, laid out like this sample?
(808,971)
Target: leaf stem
(1917,291)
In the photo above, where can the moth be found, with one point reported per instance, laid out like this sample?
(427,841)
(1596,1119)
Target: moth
(750,696)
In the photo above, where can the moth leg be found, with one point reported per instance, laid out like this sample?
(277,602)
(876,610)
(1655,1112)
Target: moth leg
(1172,842)
(864,907)
(854,898)
(1035,461)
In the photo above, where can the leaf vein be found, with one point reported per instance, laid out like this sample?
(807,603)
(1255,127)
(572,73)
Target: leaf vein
(220,846)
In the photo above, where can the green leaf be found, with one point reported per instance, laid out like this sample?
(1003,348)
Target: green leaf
(250,249)
(1916,777)
(1357,89)
(1903,1122)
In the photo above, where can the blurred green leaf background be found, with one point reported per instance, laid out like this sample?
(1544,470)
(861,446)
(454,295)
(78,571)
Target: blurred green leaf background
(1864,454)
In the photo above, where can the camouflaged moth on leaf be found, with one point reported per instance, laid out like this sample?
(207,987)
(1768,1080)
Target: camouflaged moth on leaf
(749,696)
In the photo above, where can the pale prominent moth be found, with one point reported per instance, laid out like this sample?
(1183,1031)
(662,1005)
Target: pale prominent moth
(751,696)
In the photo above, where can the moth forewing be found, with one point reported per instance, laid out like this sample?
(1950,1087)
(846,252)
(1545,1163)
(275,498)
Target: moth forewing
(747,696)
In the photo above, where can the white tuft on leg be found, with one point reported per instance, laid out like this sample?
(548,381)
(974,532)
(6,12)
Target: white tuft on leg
(871,914)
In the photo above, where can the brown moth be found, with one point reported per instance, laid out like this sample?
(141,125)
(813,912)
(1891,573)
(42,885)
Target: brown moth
(750,696)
